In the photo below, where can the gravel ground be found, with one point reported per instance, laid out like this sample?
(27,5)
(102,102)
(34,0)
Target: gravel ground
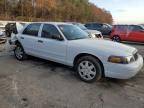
(37,83)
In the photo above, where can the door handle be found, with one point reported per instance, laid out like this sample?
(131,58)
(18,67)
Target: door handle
(22,37)
(40,41)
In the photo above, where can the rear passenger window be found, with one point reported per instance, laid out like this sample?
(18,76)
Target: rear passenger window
(32,29)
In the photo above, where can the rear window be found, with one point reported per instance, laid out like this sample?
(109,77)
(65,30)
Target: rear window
(121,27)
(88,26)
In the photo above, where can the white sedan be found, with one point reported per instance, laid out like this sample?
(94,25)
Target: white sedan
(65,43)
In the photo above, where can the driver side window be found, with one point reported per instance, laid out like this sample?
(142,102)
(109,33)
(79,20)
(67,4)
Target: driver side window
(135,28)
(49,31)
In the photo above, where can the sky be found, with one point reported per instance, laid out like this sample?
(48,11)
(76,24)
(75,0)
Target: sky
(123,11)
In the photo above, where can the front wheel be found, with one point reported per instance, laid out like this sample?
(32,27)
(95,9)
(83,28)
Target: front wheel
(89,69)
(20,53)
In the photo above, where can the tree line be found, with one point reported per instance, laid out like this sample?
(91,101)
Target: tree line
(53,10)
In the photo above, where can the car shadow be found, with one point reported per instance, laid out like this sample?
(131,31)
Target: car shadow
(53,68)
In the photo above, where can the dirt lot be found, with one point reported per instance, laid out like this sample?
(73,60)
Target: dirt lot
(37,83)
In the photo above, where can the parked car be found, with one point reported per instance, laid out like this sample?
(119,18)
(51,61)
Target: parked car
(127,33)
(105,29)
(9,29)
(65,43)
(13,27)
(2,37)
(2,27)
(93,33)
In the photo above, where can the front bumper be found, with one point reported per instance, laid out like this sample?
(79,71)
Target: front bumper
(123,71)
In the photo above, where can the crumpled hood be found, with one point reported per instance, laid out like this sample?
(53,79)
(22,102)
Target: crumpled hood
(104,46)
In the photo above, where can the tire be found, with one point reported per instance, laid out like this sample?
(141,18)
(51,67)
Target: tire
(116,38)
(89,69)
(20,53)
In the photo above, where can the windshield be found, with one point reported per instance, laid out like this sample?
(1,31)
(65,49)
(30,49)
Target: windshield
(72,32)
(109,26)
(81,26)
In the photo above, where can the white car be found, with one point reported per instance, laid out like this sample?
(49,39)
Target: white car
(67,44)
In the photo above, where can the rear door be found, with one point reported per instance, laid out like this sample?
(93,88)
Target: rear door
(136,33)
(122,31)
(51,48)
(29,37)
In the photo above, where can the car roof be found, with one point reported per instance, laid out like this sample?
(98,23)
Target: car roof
(95,23)
(120,25)
(74,22)
(54,23)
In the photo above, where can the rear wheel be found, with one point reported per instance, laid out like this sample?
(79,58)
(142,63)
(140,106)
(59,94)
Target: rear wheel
(89,69)
(20,53)
(116,38)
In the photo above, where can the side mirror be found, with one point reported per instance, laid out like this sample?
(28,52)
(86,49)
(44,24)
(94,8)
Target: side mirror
(57,37)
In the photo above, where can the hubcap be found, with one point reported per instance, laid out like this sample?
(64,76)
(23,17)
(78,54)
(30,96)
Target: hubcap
(19,52)
(116,38)
(87,70)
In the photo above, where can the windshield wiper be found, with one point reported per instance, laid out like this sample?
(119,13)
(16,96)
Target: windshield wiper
(77,38)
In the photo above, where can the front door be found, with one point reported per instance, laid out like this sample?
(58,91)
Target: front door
(136,34)
(51,48)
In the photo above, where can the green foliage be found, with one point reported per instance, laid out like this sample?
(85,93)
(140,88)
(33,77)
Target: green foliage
(54,10)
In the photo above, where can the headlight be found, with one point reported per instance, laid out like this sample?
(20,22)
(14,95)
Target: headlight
(121,60)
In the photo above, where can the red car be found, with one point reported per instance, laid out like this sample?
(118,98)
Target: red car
(133,33)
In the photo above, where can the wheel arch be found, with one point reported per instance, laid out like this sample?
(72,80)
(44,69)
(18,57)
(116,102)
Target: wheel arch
(87,54)
(17,42)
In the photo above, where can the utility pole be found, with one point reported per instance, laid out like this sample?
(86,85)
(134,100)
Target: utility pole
(5,8)
(22,10)
(34,7)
